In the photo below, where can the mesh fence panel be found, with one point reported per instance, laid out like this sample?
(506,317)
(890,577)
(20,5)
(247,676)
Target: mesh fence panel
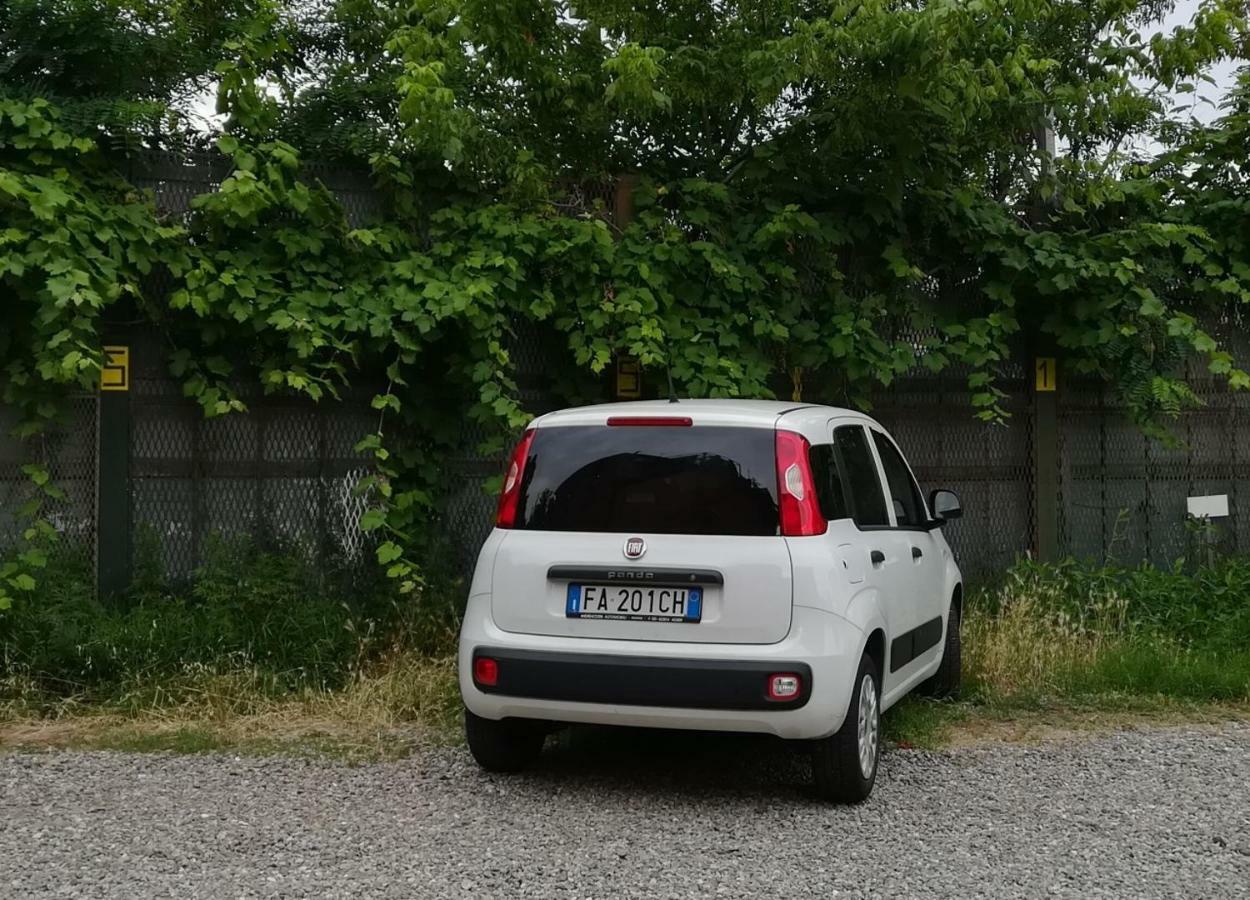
(1123,495)
(282,473)
(68,452)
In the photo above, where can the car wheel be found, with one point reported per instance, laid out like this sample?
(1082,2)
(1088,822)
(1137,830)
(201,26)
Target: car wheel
(945,681)
(844,765)
(508,745)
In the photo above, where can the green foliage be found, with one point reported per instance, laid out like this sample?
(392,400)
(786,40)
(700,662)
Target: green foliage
(1079,631)
(849,189)
(77,239)
(22,567)
(1205,605)
(264,612)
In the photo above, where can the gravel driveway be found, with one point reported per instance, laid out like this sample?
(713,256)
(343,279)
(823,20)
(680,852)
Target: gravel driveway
(1146,814)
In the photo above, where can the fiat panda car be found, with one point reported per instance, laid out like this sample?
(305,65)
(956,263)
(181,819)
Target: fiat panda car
(725,565)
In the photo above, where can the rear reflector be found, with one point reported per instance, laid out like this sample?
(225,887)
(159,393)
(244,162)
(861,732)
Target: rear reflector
(510,493)
(798,507)
(784,686)
(485,671)
(680,421)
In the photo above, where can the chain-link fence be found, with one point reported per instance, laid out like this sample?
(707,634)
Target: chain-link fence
(1123,495)
(285,470)
(283,473)
(67,452)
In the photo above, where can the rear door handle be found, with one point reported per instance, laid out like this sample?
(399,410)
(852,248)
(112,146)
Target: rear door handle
(916,553)
(877,557)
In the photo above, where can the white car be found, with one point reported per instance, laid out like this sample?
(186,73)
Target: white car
(724,565)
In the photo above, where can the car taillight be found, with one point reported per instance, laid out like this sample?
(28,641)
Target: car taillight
(486,671)
(796,488)
(511,491)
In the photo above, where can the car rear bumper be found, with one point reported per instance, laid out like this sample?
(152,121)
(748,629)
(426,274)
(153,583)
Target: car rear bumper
(642,680)
(714,687)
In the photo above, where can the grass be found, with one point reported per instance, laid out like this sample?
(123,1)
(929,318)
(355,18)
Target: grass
(1067,648)
(384,713)
(1052,650)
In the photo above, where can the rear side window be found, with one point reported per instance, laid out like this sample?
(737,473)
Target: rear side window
(862,480)
(833,502)
(908,505)
(659,479)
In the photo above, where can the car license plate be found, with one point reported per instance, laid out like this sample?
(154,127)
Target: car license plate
(629,603)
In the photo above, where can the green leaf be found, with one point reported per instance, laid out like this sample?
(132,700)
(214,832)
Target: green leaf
(389,552)
(23,582)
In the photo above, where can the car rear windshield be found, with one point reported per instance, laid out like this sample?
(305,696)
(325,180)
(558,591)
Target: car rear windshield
(659,479)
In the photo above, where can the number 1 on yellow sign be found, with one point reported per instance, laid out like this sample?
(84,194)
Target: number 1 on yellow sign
(1045,371)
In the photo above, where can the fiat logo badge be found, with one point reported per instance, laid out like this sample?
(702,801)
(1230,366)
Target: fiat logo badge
(635,547)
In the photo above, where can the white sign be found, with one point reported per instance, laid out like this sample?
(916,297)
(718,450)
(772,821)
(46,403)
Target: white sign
(1214,506)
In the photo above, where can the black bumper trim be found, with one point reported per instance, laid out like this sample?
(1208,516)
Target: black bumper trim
(642,681)
(643,575)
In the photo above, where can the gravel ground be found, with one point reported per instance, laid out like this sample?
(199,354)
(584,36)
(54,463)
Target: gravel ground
(1159,813)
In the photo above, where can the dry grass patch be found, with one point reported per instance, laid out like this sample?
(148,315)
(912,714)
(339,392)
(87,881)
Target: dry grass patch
(1021,641)
(402,703)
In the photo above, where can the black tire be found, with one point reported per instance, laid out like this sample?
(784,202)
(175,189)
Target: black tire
(508,745)
(944,683)
(836,768)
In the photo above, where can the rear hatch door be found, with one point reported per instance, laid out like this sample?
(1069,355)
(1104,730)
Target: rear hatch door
(628,532)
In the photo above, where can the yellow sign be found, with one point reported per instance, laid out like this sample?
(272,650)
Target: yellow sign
(628,378)
(1046,371)
(116,373)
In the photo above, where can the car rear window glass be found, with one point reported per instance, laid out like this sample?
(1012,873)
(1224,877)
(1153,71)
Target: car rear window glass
(829,492)
(861,476)
(658,479)
(904,494)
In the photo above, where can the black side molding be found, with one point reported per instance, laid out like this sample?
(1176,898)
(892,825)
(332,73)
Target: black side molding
(907,646)
(635,575)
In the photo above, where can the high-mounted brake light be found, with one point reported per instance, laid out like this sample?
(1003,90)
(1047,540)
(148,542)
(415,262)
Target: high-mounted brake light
(799,510)
(680,421)
(511,492)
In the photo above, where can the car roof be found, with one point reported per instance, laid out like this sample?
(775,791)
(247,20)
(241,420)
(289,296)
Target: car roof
(751,413)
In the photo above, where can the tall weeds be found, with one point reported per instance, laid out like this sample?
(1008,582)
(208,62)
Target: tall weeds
(1067,629)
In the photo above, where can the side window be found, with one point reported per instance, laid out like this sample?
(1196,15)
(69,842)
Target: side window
(829,492)
(862,481)
(908,505)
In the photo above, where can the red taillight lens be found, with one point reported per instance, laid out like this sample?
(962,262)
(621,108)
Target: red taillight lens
(652,421)
(485,671)
(796,489)
(511,491)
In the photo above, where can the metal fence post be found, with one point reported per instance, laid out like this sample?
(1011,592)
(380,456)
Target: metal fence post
(113,539)
(1045,363)
(1046,497)
(623,199)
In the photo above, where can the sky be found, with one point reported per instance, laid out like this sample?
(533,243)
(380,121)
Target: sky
(1206,107)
